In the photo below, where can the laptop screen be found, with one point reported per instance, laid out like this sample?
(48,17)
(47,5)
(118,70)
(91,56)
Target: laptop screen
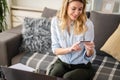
(15,74)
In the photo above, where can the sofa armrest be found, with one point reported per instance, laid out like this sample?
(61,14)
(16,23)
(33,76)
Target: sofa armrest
(9,46)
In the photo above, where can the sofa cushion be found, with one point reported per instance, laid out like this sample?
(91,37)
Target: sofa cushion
(36,35)
(40,62)
(105,25)
(106,68)
(48,12)
(112,45)
(17,58)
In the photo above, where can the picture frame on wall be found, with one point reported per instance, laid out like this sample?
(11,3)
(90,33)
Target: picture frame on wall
(108,6)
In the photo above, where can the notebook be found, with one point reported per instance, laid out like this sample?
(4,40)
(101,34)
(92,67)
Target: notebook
(21,66)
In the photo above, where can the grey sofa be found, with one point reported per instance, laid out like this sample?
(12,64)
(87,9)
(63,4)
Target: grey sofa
(103,64)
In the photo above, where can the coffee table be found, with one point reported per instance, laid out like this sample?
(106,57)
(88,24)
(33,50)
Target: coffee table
(15,74)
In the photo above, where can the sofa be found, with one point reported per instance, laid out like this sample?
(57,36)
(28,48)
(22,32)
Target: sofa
(18,46)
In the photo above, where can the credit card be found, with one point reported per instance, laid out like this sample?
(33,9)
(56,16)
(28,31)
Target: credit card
(85,41)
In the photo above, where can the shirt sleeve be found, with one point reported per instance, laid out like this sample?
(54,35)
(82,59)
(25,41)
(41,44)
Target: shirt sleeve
(54,34)
(89,58)
(89,36)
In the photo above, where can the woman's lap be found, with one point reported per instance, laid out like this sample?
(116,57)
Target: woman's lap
(60,70)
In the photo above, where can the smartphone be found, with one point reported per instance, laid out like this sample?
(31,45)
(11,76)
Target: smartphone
(84,41)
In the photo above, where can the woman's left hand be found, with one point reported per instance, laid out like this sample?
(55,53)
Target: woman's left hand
(89,48)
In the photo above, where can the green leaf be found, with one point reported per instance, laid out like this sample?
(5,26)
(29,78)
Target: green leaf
(3,10)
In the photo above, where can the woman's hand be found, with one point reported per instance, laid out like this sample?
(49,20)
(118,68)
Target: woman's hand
(62,51)
(89,48)
(75,47)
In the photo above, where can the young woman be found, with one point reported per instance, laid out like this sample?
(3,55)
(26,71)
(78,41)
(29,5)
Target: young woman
(72,37)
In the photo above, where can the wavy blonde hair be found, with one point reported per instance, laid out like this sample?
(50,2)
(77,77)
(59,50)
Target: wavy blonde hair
(79,24)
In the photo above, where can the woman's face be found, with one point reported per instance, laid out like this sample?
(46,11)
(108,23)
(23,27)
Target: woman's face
(74,10)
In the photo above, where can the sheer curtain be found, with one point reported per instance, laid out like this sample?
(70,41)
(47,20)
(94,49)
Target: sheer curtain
(8,16)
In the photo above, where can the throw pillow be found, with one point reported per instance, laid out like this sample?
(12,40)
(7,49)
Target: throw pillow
(48,13)
(36,35)
(105,25)
(112,45)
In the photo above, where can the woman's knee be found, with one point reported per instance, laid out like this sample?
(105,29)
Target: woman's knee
(57,70)
(78,74)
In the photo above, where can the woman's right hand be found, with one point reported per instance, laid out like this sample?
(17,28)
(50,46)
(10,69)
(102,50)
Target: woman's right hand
(62,51)
(75,47)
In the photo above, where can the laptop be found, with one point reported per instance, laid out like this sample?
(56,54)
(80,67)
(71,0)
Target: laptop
(15,74)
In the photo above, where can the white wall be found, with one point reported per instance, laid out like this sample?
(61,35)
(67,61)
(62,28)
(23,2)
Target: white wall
(39,4)
(18,15)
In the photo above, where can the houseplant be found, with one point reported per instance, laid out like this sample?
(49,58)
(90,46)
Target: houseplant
(3,11)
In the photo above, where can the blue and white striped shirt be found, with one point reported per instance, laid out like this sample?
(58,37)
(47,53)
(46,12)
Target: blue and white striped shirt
(64,40)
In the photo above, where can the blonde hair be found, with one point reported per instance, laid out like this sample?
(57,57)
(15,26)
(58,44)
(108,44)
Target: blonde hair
(79,24)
